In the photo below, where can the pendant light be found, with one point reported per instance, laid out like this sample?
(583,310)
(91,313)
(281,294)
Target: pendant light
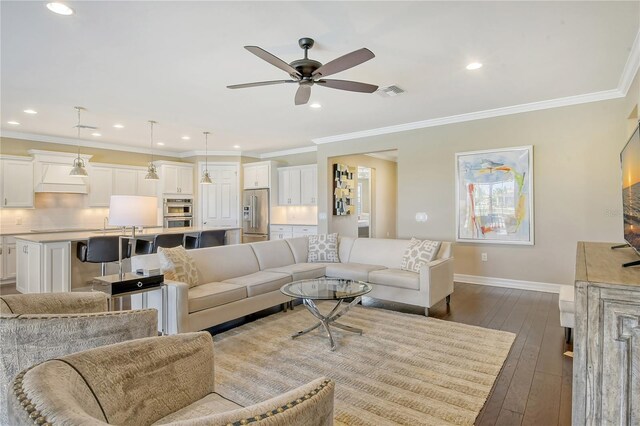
(206,179)
(152,172)
(79,169)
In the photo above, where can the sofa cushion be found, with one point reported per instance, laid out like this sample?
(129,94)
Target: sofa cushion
(300,248)
(566,300)
(418,253)
(216,264)
(323,248)
(177,265)
(302,271)
(272,254)
(378,251)
(261,282)
(351,271)
(345,244)
(395,278)
(210,404)
(210,295)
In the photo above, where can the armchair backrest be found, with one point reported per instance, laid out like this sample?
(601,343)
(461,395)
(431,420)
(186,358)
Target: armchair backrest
(130,383)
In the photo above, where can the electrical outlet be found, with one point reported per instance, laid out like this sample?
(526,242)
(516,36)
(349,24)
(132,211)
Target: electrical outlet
(484,257)
(19,220)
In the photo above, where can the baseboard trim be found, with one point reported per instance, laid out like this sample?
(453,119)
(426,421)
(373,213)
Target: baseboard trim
(507,283)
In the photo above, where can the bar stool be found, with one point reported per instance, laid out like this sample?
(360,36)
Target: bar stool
(102,250)
(162,240)
(211,238)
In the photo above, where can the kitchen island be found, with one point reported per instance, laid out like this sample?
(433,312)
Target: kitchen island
(47,262)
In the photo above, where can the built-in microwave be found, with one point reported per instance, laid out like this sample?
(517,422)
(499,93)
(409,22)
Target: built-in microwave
(178,207)
(178,222)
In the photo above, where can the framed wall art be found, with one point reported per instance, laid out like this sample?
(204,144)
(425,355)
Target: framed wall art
(343,190)
(494,196)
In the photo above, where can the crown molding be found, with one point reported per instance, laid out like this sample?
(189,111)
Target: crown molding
(478,115)
(196,153)
(631,67)
(286,152)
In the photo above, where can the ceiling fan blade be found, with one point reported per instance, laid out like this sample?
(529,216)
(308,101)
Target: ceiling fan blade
(259,83)
(345,62)
(352,86)
(303,94)
(273,60)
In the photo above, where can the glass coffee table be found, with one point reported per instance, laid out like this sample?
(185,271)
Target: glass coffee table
(327,289)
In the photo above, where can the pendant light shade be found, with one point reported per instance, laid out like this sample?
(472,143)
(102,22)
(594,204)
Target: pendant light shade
(78,169)
(152,172)
(206,179)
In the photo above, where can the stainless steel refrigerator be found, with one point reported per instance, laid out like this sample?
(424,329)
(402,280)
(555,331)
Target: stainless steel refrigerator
(255,215)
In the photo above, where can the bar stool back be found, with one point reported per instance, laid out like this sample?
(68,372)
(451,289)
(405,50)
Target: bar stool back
(103,250)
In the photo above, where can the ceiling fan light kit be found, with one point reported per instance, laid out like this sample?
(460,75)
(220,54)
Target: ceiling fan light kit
(308,72)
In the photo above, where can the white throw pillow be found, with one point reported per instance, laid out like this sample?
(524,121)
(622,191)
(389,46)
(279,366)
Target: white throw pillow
(418,253)
(177,265)
(323,248)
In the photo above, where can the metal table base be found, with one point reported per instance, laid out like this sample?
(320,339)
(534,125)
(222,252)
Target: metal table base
(329,320)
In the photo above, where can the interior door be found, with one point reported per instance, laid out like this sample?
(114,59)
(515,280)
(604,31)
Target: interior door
(219,200)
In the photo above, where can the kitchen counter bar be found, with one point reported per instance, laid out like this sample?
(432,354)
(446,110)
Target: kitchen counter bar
(84,235)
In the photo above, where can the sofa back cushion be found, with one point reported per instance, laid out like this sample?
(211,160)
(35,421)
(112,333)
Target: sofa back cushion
(345,244)
(445,250)
(216,264)
(378,251)
(300,248)
(273,254)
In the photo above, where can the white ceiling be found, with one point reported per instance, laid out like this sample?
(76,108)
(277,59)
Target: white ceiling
(128,62)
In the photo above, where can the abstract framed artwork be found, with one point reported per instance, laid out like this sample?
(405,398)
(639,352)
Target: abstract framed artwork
(494,196)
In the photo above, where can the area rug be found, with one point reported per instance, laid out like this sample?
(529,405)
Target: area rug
(405,369)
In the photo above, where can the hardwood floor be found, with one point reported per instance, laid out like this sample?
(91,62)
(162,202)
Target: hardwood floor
(534,387)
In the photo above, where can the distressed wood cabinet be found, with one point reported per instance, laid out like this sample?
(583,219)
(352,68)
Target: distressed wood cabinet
(606,363)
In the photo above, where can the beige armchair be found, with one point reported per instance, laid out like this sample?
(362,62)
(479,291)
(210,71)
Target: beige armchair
(165,380)
(37,327)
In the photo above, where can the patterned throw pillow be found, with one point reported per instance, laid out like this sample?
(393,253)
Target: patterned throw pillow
(177,265)
(418,253)
(323,248)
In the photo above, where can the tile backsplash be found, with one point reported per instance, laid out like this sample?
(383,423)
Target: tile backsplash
(294,215)
(53,210)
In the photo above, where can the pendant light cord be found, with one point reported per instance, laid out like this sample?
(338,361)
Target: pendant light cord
(78,128)
(151,122)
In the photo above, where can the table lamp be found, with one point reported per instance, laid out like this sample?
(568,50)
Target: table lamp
(131,210)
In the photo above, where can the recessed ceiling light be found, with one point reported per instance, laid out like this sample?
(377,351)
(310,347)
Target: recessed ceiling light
(118,126)
(474,66)
(59,8)
(96,134)
(185,138)
(160,143)
(30,111)
(236,146)
(315,105)
(13,123)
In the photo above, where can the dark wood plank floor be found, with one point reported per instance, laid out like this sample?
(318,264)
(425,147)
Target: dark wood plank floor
(534,387)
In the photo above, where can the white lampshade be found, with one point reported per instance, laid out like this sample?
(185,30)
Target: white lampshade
(133,210)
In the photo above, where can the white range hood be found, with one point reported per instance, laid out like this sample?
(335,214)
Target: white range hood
(51,172)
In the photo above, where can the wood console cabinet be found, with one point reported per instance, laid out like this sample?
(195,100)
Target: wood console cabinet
(606,363)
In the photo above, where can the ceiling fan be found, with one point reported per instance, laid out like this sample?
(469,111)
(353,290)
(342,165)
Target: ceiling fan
(307,72)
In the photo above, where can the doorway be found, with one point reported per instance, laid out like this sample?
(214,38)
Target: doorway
(364,204)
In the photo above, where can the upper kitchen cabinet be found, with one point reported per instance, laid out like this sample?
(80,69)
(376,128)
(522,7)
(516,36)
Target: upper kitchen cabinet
(17,181)
(176,178)
(298,186)
(259,175)
(146,187)
(100,186)
(125,181)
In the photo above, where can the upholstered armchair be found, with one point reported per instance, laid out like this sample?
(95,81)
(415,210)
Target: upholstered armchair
(166,380)
(37,327)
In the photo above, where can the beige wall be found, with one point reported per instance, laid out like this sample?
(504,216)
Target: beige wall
(576,183)
(296,159)
(384,188)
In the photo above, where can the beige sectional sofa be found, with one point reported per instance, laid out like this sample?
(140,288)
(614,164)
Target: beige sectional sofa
(238,280)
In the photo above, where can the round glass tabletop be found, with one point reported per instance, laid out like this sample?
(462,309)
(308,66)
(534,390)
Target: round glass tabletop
(326,289)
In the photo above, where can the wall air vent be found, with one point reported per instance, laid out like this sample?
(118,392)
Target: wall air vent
(389,91)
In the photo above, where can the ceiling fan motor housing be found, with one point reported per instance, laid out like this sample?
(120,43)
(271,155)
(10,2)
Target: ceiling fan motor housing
(306,67)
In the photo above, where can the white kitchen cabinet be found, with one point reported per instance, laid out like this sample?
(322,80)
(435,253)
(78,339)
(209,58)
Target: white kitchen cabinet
(29,277)
(257,175)
(176,179)
(146,187)
(289,186)
(125,181)
(9,257)
(17,182)
(100,186)
(303,231)
(309,185)
(2,260)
